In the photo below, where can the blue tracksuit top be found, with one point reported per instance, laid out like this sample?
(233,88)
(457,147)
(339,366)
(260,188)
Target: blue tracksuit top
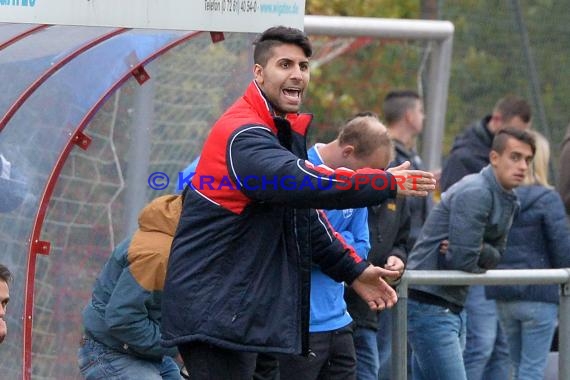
(328,309)
(187,174)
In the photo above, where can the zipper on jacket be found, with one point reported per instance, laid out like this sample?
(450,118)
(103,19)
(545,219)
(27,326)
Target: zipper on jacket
(304,320)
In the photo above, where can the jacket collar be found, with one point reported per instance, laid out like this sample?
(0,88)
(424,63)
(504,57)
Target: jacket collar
(299,122)
(409,154)
(483,132)
(489,174)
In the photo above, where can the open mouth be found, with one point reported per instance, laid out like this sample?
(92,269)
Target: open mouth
(293,94)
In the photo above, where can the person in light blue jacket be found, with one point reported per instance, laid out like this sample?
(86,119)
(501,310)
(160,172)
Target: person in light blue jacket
(363,142)
(539,239)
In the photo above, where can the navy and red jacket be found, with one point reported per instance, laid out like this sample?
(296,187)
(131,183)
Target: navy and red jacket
(239,271)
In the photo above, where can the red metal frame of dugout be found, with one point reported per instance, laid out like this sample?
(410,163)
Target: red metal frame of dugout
(36,246)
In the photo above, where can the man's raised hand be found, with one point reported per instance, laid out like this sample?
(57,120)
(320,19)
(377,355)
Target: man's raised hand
(412,182)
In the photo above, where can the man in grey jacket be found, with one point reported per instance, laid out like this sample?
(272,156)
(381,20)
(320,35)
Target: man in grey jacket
(474,216)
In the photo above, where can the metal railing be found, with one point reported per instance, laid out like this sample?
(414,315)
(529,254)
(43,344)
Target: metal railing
(491,277)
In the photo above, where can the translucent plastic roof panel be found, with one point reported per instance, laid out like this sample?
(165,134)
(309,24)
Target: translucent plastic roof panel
(33,141)
(24,62)
(10,31)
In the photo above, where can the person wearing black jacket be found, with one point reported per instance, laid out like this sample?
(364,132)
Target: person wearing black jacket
(401,222)
(389,226)
(238,274)
(470,151)
(404,114)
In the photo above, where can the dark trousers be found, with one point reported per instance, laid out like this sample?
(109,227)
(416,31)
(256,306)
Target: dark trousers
(334,358)
(207,362)
(266,367)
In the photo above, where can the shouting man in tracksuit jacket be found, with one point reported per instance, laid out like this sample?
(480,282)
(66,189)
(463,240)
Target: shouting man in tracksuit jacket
(238,278)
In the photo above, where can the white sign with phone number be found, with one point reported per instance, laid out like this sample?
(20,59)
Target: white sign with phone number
(252,16)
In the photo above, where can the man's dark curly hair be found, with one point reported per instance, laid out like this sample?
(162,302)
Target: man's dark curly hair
(279,35)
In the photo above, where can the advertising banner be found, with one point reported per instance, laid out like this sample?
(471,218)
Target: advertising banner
(204,15)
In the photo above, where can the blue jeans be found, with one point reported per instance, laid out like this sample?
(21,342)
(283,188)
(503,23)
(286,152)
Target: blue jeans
(486,353)
(529,327)
(437,337)
(99,362)
(366,347)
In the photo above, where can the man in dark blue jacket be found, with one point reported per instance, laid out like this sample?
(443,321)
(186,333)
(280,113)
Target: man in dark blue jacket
(486,352)
(539,239)
(239,271)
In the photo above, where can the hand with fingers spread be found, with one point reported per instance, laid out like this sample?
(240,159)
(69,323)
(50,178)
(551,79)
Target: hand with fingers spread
(412,182)
(374,290)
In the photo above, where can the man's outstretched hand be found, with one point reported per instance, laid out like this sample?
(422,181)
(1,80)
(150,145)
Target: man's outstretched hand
(412,182)
(374,290)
